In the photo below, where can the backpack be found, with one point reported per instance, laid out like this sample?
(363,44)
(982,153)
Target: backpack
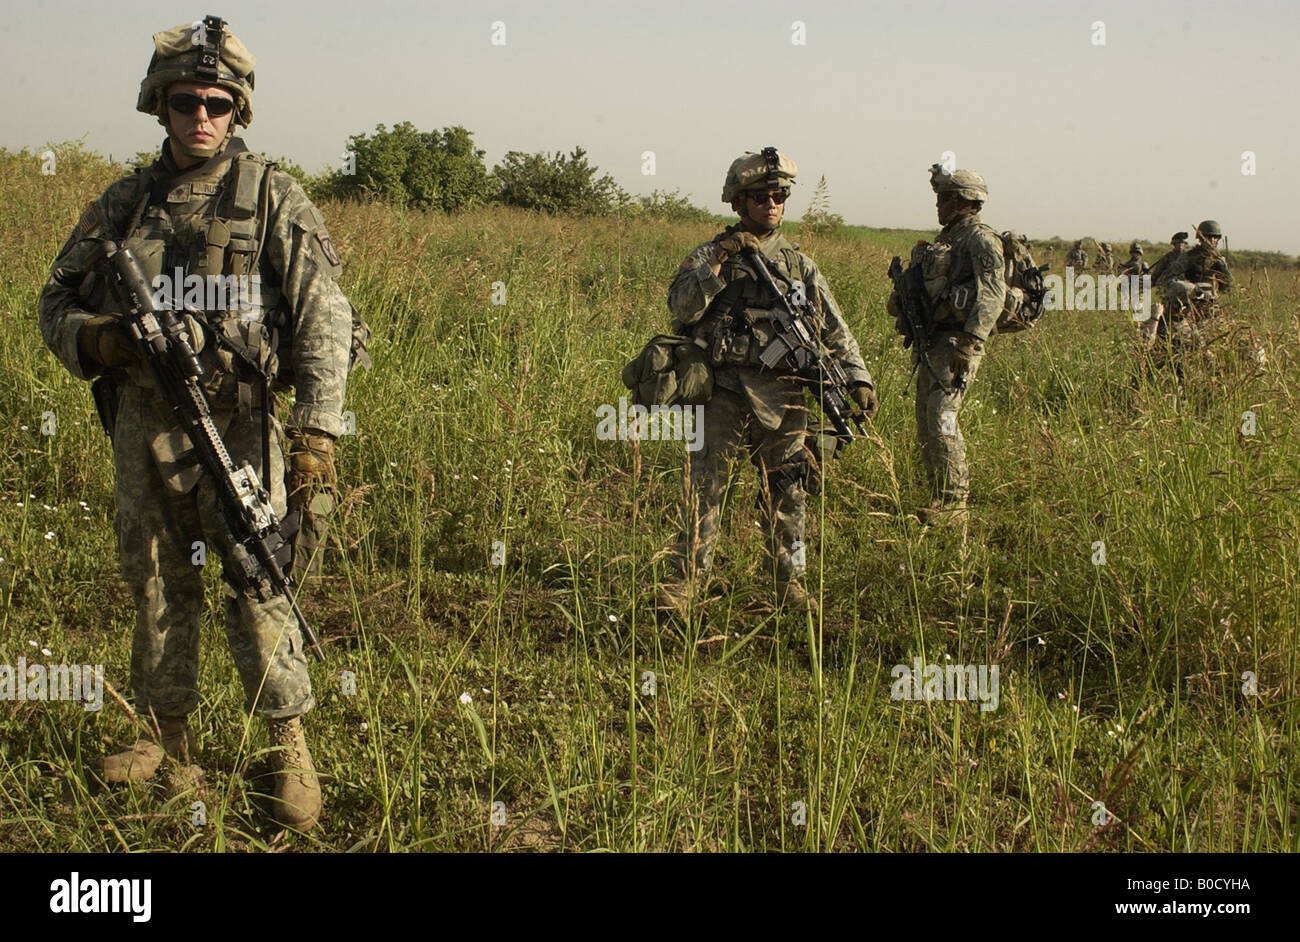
(1026,295)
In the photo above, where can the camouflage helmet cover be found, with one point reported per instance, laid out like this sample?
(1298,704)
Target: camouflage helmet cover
(199,52)
(1136,248)
(768,169)
(1178,237)
(967,184)
(1209,228)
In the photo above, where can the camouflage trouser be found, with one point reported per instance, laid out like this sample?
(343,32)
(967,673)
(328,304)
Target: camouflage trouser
(731,428)
(157,530)
(1174,340)
(943,450)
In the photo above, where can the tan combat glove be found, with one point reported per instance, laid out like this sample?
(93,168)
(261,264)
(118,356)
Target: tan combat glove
(965,348)
(866,399)
(736,243)
(104,342)
(312,483)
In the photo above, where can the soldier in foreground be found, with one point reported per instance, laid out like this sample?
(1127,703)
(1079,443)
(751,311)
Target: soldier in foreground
(1192,290)
(721,298)
(965,281)
(208,207)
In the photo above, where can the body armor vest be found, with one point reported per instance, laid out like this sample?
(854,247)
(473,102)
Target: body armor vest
(738,324)
(202,234)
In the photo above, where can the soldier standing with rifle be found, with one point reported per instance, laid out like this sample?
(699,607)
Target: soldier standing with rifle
(960,284)
(736,295)
(208,207)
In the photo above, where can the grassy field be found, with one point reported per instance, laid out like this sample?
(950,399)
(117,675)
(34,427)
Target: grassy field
(526,684)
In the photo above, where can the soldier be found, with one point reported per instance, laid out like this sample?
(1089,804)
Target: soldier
(1078,258)
(1205,264)
(1136,264)
(1170,265)
(209,207)
(966,285)
(1105,260)
(1192,289)
(717,297)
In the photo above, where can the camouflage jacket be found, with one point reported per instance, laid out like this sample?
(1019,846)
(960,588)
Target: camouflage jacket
(968,286)
(1077,259)
(208,220)
(1205,264)
(700,302)
(1168,267)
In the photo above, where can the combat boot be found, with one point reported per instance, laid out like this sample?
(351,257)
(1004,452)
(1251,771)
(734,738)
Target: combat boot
(794,598)
(297,788)
(141,761)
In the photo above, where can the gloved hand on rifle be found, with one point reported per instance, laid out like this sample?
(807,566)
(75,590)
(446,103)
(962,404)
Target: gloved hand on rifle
(865,397)
(965,348)
(734,244)
(103,341)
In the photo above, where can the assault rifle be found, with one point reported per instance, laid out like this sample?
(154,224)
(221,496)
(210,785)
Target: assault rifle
(798,347)
(252,529)
(918,319)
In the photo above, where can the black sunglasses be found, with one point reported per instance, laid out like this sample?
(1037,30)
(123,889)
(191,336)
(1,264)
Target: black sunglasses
(762,198)
(186,103)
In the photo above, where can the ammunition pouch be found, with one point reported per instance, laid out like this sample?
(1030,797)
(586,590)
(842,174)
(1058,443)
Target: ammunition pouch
(669,371)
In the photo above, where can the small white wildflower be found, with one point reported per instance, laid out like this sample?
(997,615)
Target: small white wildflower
(1075,708)
(486,689)
(364,726)
(47,506)
(455,477)
(46,651)
(474,476)
(83,505)
(392,464)
(22,428)
(49,534)
(466,699)
(1061,695)
(613,618)
(1041,641)
(33,643)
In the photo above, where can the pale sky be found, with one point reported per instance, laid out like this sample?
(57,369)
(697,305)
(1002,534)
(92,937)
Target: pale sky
(1141,136)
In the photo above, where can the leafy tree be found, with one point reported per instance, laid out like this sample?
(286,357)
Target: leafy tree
(673,206)
(424,169)
(556,184)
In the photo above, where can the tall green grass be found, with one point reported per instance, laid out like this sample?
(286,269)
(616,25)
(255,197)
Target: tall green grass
(1120,683)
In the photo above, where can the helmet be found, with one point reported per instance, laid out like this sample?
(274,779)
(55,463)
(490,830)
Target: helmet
(1178,237)
(1136,248)
(750,171)
(967,184)
(1209,229)
(1078,244)
(201,52)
